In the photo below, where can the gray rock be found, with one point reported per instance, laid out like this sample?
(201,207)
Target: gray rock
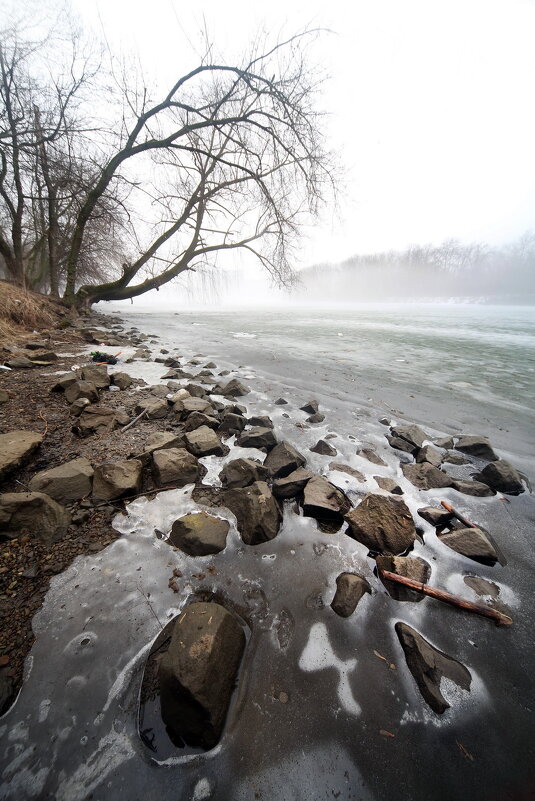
(345,468)
(401,444)
(96,374)
(292,484)
(16,447)
(242,472)
(437,517)
(34,513)
(324,448)
(68,482)
(476,446)
(324,502)
(175,466)
(311,407)
(262,422)
(198,672)
(476,488)
(425,476)
(316,418)
(198,419)
(234,389)
(412,434)
(430,455)
(428,666)
(350,588)
(114,480)
(44,357)
(81,389)
(199,534)
(159,391)
(211,366)
(187,406)
(444,442)
(283,459)
(204,442)
(371,456)
(257,513)
(96,419)
(122,380)
(503,477)
(408,566)
(155,408)
(383,524)
(262,438)
(482,587)
(231,423)
(388,485)
(455,458)
(280,402)
(472,543)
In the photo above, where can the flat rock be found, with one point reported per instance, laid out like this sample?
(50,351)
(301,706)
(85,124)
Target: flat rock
(435,516)
(257,437)
(482,587)
(346,468)
(176,466)
(412,434)
(68,482)
(429,454)
(159,441)
(96,419)
(81,389)
(472,543)
(114,480)
(310,407)
(476,446)
(350,588)
(292,484)
(476,488)
(412,567)
(16,447)
(503,477)
(324,502)
(371,456)
(32,512)
(425,476)
(198,673)
(283,459)
(78,406)
(20,363)
(324,448)
(204,441)
(388,485)
(199,534)
(97,374)
(383,524)
(428,666)
(257,513)
(154,408)
(242,472)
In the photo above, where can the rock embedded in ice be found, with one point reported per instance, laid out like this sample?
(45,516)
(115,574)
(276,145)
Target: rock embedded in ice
(283,459)
(310,407)
(455,458)
(231,423)
(16,447)
(258,516)
(204,442)
(281,402)
(175,466)
(412,434)
(371,456)
(114,480)
(324,448)
(428,666)
(324,502)
(241,472)
(383,524)
(482,586)
(476,488)
(425,476)
(262,438)
(472,543)
(33,512)
(350,588)
(263,422)
(401,444)
(476,446)
(412,567)
(316,418)
(430,455)
(444,442)
(234,389)
(502,476)
(199,534)
(388,485)
(292,484)
(346,468)
(435,516)
(68,482)
(198,673)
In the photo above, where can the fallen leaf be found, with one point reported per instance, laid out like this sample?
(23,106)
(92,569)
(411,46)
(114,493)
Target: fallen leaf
(465,753)
(378,655)
(386,733)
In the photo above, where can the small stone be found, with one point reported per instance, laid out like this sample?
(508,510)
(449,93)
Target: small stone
(444,442)
(279,402)
(81,389)
(154,408)
(350,588)
(316,418)
(324,448)
(311,407)
(430,455)
(476,488)
(437,517)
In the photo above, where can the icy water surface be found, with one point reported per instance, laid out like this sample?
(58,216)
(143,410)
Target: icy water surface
(326,707)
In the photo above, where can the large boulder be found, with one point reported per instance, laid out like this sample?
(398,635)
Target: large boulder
(476,446)
(472,543)
(204,441)
(16,447)
(383,524)
(97,374)
(199,534)
(81,389)
(242,472)
(412,567)
(198,672)
(283,459)
(292,484)
(425,476)
(96,419)
(68,482)
(324,502)
(175,466)
(34,513)
(114,480)
(428,666)
(257,512)
(257,437)
(502,476)
(350,588)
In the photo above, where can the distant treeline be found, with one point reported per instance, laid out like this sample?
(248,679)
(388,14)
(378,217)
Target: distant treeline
(451,269)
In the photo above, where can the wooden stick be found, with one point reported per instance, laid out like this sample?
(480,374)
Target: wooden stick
(486,611)
(132,422)
(458,515)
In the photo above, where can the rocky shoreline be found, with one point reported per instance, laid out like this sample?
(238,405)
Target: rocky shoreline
(75,447)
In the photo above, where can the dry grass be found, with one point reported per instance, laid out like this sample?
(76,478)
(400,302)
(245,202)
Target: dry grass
(22,311)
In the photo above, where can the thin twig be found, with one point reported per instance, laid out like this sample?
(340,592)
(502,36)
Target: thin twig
(45,421)
(134,421)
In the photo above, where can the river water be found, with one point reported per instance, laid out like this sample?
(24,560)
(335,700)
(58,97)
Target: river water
(325,707)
